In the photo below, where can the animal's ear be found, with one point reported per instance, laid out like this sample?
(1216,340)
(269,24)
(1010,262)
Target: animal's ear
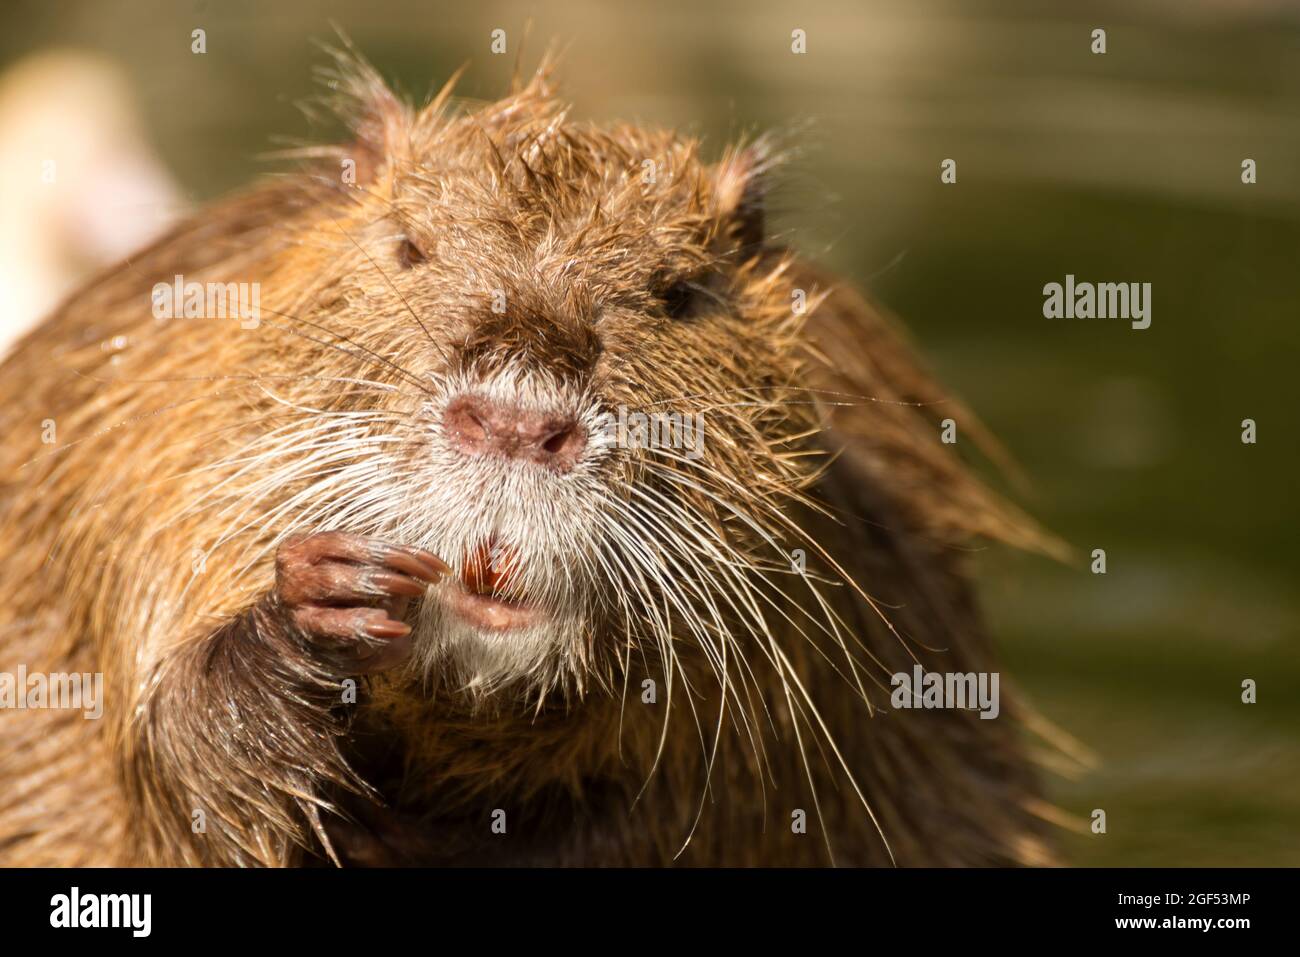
(740,184)
(380,122)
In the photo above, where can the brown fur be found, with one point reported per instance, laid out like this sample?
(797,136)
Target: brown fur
(211,707)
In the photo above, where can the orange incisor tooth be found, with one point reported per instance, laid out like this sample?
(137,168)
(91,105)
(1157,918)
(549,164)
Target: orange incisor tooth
(490,567)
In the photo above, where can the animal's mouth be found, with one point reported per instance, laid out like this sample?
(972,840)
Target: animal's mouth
(488,594)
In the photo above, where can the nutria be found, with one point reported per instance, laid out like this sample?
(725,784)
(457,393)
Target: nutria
(374,575)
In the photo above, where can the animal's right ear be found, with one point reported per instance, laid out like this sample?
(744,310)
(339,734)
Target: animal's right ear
(740,194)
(381,123)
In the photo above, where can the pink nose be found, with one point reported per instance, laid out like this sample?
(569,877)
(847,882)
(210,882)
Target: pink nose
(475,426)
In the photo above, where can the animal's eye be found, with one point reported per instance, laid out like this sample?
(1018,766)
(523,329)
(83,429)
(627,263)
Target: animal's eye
(408,254)
(678,300)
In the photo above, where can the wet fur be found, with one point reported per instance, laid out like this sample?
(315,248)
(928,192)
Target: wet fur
(141,542)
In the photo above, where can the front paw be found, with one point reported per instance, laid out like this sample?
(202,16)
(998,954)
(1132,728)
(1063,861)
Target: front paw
(346,594)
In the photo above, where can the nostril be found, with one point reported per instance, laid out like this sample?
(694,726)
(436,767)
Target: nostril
(562,448)
(556,443)
(466,426)
(474,426)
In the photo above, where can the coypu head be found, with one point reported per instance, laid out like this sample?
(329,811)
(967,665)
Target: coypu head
(576,353)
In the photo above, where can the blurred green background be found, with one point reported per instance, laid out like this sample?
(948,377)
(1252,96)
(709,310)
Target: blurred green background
(1115,167)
